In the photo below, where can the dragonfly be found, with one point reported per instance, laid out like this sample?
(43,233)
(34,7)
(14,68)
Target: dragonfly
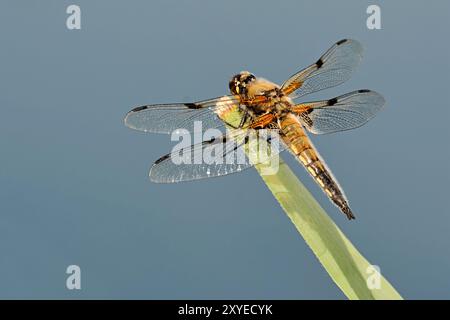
(264,105)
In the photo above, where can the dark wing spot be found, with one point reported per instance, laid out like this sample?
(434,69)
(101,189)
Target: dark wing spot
(167,156)
(319,63)
(139,108)
(363,90)
(193,105)
(209,141)
(213,139)
(341,41)
(332,102)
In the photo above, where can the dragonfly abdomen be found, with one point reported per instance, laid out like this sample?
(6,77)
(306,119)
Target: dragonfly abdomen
(299,144)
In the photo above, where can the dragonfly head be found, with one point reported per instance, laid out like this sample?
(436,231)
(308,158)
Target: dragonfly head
(238,84)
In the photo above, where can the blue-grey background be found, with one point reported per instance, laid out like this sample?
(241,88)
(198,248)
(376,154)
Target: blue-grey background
(73,179)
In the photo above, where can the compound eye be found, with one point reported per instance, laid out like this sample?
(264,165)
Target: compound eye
(233,85)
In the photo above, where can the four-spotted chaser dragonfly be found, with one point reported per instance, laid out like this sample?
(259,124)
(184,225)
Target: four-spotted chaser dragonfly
(266,105)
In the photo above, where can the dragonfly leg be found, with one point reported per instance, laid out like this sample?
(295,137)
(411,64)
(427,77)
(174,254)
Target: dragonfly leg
(262,121)
(243,119)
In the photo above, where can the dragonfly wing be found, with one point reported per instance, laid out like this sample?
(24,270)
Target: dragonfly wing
(342,113)
(218,156)
(166,118)
(333,68)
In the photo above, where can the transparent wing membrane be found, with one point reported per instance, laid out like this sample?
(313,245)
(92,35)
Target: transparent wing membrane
(333,68)
(218,156)
(165,118)
(342,113)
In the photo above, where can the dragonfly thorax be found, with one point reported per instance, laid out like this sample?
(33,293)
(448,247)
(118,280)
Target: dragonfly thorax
(258,94)
(240,82)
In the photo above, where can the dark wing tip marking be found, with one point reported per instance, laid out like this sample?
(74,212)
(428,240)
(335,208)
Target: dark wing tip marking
(167,156)
(332,102)
(210,141)
(193,105)
(319,63)
(139,108)
(364,91)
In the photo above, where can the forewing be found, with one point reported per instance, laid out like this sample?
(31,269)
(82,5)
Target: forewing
(166,118)
(342,113)
(333,68)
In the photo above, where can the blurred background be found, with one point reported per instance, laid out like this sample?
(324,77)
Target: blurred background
(74,185)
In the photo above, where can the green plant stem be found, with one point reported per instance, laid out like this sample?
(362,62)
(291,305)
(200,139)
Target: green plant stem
(346,266)
(351,272)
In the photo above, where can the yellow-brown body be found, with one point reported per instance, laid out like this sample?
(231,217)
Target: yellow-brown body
(269,108)
(294,136)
